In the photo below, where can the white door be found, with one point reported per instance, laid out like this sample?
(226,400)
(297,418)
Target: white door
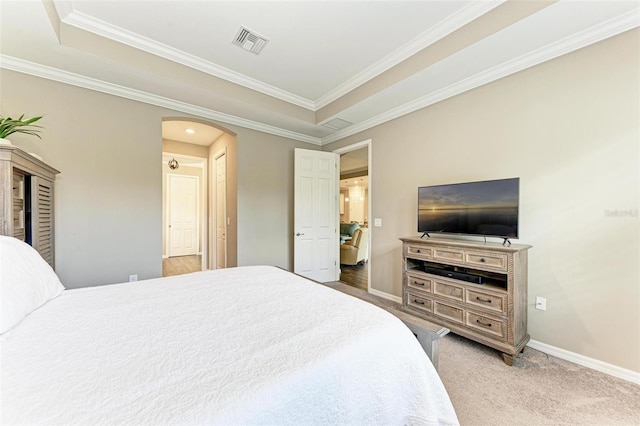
(183,215)
(221,212)
(316,245)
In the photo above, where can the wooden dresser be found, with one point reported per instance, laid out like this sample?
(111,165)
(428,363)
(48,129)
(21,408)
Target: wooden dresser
(26,200)
(477,290)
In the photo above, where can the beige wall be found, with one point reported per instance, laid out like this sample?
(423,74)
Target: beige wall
(569,128)
(265,199)
(109,194)
(175,147)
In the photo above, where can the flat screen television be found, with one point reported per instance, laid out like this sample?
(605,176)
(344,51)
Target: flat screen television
(488,208)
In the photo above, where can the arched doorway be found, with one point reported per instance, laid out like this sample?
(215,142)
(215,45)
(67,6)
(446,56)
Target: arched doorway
(194,149)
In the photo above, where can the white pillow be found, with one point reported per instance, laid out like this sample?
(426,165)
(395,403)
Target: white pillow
(26,281)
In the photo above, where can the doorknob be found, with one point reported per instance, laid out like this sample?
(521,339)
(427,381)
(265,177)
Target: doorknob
(298,234)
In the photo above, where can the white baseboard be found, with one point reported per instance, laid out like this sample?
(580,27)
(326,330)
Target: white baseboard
(164,256)
(603,367)
(385,295)
(594,364)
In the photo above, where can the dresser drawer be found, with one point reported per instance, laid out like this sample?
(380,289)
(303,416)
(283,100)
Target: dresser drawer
(418,302)
(419,251)
(449,255)
(447,290)
(493,326)
(449,312)
(419,283)
(475,288)
(492,302)
(495,261)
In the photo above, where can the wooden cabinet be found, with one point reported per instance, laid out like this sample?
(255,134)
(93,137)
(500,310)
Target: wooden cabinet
(478,290)
(26,200)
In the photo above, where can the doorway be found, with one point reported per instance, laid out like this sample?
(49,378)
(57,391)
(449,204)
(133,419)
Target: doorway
(354,213)
(184,195)
(212,150)
(183,217)
(221,209)
(315,215)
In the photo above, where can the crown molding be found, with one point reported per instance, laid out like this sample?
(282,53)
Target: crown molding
(602,31)
(447,26)
(73,79)
(610,28)
(129,38)
(460,18)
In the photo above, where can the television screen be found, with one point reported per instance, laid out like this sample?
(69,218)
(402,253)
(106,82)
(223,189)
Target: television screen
(487,208)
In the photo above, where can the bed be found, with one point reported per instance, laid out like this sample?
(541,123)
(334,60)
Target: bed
(248,345)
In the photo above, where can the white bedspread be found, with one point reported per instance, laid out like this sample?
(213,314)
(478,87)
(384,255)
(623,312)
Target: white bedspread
(251,345)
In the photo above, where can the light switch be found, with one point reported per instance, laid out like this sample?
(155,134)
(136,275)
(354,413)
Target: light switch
(377,222)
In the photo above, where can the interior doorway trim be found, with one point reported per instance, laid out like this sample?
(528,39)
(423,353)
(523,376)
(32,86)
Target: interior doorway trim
(202,163)
(214,210)
(369,145)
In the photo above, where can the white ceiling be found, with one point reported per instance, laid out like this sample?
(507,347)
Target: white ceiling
(365,62)
(362,182)
(190,132)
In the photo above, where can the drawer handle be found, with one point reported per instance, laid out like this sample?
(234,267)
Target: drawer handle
(418,283)
(418,251)
(482,260)
(483,323)
(479,299)
(419,302)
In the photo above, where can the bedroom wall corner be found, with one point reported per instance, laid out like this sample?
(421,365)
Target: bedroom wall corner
(108,195)
(569,128)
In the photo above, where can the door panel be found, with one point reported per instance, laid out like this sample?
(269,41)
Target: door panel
(183,215)
(221,212)
(316,215)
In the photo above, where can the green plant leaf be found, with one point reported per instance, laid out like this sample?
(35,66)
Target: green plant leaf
(9,126)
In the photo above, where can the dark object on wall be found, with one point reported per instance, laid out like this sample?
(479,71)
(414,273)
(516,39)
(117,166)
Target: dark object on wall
(488,208)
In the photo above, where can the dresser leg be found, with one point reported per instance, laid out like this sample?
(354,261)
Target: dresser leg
(508,359)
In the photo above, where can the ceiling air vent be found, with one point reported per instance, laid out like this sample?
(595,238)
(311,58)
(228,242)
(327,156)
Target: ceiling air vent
(337,124)
(250,40)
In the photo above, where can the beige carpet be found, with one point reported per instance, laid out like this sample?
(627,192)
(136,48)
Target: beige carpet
(538,390)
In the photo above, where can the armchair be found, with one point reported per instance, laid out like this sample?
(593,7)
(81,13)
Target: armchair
(354,251)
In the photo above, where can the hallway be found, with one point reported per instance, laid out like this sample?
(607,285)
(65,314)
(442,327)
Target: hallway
(181,265)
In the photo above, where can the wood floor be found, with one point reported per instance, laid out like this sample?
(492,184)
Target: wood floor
(181,265)
(355,276)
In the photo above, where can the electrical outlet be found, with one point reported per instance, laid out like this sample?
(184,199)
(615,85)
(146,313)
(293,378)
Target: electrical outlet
(133,277)
(377,222)
(541,303)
